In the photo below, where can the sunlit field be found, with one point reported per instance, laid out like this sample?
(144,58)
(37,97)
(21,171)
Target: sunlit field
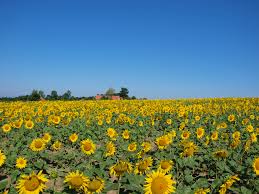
(130,146)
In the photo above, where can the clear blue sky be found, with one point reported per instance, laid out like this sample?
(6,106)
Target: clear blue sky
(157,49)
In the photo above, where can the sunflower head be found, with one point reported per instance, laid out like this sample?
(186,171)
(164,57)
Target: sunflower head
(126,134)
(73,138)
(77,181)
(146,146)
(21,163)
(57,145)
(6,128)
(88,147)
(200,132)
(111,132)
(56,120)
(165,166)
(95,185)
(46,137)
(214,136)
(37,145)
(256,166)
(110,149)
(29,124)
(2,158)
(33,183)
(159,183)
(143,166)
(132,147)
(185,134)
(163,141)
(231,118)
(120,168)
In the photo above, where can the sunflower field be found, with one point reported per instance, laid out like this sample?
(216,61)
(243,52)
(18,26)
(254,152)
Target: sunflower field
(131,146)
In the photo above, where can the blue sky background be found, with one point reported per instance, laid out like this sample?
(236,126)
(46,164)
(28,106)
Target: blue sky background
(157,49)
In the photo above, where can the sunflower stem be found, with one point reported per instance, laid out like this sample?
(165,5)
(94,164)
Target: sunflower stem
(119,186)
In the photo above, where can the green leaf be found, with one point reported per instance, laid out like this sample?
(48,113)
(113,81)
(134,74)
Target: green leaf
(244,190)
(3,184)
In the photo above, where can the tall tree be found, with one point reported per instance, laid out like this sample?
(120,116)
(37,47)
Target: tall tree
(54,95)
(66,95)
(110,92)
(124,93)
(41,93)
(34,95)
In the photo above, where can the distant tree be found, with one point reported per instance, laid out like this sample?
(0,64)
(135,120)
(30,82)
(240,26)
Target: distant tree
(133,98)
(34,95)
(54,95)
(124,93)
(67,95)
(110,92)
(41,93)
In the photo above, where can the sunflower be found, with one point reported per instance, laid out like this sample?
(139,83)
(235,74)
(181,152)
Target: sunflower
(221,154)
(73,138)
(168,121)
(146,146)
(189,149)
(120,168)
(56,120)
(95,185)
(236,135)
(126,134)
(231,118)
(32,184)
(77,181)
(200,132)
(202,191)
(6,128)
(57,145)
(2,158)
(112,133)
(165,166)
(250,128)
(132,147)
(163,141)
(197,118)
(214,136)
(21,163)
(29,124)
(253,137)
(88,147)
(46,137)
(256,166)
(110,149)
(185,134)
(17,124)
(159,183)
(143,166)
(37,145)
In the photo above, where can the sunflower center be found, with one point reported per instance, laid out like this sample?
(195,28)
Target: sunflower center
(94,185)
(162,142)
(257,165)
(120,168)
(29,124)
(32,184)
(165,165)
(159,185)
(38,144)
(76,181)
(87,146)
(143,166)
(132,146)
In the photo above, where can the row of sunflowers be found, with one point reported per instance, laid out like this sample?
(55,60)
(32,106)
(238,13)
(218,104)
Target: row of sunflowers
(143,146)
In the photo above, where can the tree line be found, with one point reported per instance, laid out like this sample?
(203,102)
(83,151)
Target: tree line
(37,95)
